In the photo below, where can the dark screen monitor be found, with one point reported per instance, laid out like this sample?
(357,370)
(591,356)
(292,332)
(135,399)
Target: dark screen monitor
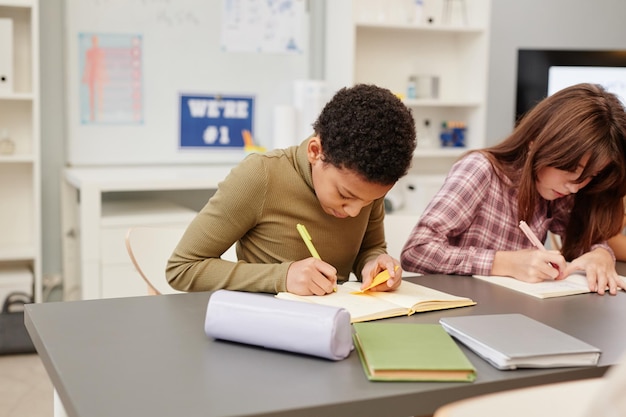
(542,72)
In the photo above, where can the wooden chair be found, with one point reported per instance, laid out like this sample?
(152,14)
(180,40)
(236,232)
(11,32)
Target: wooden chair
(595,397)
(149,249)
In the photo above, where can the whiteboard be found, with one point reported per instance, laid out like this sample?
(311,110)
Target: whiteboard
(178,49)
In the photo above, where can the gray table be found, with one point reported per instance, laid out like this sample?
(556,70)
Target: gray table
(149,356)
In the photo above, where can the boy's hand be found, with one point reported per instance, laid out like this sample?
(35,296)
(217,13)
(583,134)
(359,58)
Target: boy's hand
(311,276)
(381,263)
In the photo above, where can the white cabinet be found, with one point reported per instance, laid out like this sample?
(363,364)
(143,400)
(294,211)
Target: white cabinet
(20,187)
(99,204)
(381,42)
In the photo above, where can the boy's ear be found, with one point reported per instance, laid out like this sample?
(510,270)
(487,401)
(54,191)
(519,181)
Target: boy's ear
(314,149)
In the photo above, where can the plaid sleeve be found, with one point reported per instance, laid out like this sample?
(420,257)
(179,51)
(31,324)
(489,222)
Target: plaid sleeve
(447,237)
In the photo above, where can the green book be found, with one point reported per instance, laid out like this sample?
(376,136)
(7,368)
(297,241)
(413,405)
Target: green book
(410,352)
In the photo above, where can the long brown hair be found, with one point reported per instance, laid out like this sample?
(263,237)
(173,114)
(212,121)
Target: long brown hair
(558,132)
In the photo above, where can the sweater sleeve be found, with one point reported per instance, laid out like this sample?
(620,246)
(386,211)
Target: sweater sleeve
(195,264)
(448,217)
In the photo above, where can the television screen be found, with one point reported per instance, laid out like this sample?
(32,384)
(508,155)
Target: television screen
(542,72)
(611,78)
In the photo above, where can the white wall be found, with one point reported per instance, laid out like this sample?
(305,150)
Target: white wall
(52,130)
(573,24)
(541,24)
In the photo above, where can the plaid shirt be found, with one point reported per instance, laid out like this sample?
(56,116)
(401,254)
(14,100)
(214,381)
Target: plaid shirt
(474,215)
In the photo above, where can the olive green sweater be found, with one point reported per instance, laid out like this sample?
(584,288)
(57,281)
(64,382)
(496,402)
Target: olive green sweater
(258,206)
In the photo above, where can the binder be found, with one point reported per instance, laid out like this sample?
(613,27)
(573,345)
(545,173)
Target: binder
(511,341)
(6,55)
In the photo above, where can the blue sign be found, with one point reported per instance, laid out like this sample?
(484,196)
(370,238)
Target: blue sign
(215,121)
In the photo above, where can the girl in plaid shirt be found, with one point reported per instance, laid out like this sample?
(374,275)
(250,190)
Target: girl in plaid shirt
(563,170)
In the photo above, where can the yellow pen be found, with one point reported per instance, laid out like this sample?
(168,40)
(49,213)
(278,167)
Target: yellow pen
(309,243)
(307,240)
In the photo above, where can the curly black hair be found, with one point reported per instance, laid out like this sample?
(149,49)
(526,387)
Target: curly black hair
(367,129)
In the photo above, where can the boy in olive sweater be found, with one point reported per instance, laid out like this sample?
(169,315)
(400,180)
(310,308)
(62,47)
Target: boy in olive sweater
(334,183)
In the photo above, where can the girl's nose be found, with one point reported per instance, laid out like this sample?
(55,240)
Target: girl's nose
(573,187)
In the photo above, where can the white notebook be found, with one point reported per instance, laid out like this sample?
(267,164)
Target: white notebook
(510,341)
(572,285)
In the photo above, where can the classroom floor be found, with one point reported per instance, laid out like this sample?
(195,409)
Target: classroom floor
(25,389)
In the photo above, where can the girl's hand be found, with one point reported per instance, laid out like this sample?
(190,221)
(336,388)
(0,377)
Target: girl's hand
(599,267)
(530,265)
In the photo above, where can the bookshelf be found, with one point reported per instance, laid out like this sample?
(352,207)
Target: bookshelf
(385,42)
(20,184)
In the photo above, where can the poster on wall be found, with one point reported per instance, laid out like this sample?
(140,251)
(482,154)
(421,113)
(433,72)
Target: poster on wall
(264,26)
(110,76)
(216,121)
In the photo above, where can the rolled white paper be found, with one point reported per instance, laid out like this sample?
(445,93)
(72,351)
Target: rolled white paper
(262,320)
(309,98)
(285,135)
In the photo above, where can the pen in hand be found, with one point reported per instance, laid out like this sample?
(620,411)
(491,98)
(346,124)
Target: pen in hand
(534,239)
(309,242)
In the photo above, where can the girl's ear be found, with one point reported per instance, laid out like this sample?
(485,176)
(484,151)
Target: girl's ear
(314,149)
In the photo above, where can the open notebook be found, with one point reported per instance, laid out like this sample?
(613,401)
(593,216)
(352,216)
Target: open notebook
(409,298)
(572,285)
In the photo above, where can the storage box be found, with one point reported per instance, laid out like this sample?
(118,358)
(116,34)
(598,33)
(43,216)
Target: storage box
(14,337)
(419,190)
(6,55)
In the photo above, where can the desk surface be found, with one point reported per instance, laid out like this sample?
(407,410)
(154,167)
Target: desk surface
(149,356)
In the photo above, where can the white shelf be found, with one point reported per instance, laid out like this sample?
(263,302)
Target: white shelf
(18,3)
(439,152)
(17,252)
(17,159)
(20,178)
(421,28)
(425,102)
(17,96)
